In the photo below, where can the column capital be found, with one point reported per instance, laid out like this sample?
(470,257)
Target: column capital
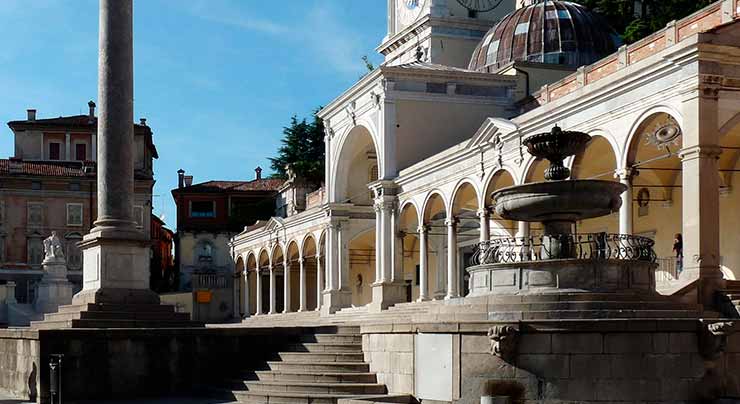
(484,212)
(452,221)
(699,152)
(624,173)
(424,228)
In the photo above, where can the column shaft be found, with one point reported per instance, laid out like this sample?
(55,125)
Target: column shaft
(286,286)
(246,293)
(302,304)
(319,281)
(423,264)
(485,225)
(625,211)
(452,270)
(115,169)
(272,290)
(258,286)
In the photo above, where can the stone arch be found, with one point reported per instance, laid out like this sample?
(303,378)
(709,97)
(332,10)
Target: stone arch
(362,266)
(356,154)
(293,272)
(464,189)
(487,181)
(635,128)
(311,255)
(598,161)
(431,201)
(408,227)
(251,268)
(240,287)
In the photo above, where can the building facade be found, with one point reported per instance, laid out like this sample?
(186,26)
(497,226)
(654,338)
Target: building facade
(209,214)
(415,149)
(50,185)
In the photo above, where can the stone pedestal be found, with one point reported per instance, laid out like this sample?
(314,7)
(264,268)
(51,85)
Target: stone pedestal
(116,270)
(54,290)
(386,295)
(335,300)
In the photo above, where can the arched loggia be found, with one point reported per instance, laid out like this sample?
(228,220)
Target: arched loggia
(434,220)
(465,211)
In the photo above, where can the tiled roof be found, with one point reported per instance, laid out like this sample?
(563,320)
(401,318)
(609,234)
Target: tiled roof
(66,121)
(45,169)
(270,184)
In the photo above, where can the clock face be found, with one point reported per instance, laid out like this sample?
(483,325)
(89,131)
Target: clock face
(480,5)
(408,11)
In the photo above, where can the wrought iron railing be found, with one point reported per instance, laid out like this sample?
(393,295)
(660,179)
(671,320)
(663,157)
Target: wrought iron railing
(592,246)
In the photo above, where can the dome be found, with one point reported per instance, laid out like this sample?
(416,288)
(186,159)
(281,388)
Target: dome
(573,36)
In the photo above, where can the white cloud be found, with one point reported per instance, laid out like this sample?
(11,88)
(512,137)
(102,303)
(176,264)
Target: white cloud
(220,12)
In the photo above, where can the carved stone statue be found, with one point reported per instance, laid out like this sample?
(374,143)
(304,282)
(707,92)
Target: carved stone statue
(53,249)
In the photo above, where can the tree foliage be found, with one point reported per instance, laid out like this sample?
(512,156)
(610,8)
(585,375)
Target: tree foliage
(634,20)
(302,149)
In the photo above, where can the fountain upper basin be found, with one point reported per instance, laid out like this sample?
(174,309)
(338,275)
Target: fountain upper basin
(567,200)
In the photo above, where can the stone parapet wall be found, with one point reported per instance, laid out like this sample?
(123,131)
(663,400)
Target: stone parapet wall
(391,357)
(19,364)
(593,361)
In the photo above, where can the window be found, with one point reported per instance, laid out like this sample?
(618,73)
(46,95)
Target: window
(139,216)
(202,209)
(80,152)
(74,186)
(35,216)
(36,185)
(72,252)
(35,250)
(205,252)
(55,151)
(2,212)
(74,214)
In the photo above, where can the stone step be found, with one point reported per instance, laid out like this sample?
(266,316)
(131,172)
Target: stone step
(319,347)
(334,367)
(63,324)
(553,306)
(314,377)
(315,388)
(332,339)
(118,308)
(112,315)
(321,357)
(292,398)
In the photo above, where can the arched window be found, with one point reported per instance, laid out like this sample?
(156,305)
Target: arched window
(205,252)
(72,252)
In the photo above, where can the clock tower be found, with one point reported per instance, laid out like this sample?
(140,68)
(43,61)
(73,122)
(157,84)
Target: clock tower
(441,32)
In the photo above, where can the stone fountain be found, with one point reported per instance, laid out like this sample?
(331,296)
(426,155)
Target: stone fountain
(560,260)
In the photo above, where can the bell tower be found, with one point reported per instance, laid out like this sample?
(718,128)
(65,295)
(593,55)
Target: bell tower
(441,32)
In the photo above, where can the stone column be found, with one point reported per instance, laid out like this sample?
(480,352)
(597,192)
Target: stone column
(423,263)
(485,225)
(319,281)
(286,284)
(453,283)
(246,293)
(302,266)
(700,166)
(337,294)
(625,211)
(272,289)
(387,289)
(258,286)
(116,254)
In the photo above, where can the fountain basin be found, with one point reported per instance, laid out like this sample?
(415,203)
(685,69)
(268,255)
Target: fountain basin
(559,201)
(563,276)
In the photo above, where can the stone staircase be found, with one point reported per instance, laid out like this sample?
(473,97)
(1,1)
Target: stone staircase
(321,368)
(115,316)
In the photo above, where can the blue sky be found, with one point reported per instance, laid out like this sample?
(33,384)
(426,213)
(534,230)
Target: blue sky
(216,79)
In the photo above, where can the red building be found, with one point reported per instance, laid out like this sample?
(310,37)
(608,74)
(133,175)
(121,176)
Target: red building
(162,262)
(209,214)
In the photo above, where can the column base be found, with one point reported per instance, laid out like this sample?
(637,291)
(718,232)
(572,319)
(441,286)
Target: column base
(386,295)
(335,300)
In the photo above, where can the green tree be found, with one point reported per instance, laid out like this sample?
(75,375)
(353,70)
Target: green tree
(634,20)
(303,149)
